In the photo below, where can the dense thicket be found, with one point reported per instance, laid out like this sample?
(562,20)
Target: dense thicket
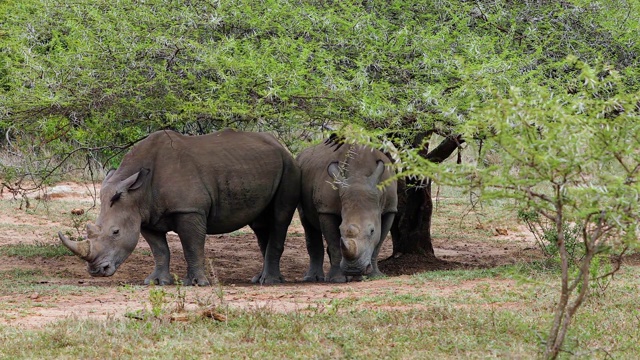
(97,73)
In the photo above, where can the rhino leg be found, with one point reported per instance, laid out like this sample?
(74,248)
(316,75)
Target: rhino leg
(315,249)
(385,226)
(191,228)
(160,249)
(279,214)
(271,235)
(273,252)
(262,234)
(330,225)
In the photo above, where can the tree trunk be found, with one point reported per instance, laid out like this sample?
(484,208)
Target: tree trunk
(411,230)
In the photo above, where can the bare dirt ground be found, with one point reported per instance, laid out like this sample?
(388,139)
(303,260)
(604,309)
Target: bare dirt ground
(234,260)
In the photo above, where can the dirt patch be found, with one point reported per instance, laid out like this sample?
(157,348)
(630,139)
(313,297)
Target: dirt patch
(234,259)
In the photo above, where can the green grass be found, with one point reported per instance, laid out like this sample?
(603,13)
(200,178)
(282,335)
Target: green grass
(17,282)
(35,250)
(18,274)
(502,312)
(455,215)
(480,319)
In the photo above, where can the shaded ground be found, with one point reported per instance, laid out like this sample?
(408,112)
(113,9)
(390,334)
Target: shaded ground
(234,260)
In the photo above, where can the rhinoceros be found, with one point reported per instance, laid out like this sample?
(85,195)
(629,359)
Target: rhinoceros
(193,185)
(348,196)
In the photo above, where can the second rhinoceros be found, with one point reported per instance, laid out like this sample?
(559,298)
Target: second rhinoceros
(348,197)
(193,185)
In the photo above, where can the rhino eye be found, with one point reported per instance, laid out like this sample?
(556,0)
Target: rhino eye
(116,231)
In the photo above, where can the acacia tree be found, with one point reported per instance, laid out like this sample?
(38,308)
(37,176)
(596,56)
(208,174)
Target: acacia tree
(84,79)
(570,159)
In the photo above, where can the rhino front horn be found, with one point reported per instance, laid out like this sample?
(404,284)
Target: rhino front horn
(80,248)
(349,248)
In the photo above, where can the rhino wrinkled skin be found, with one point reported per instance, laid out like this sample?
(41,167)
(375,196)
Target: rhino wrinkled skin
(342,199)
(193,185)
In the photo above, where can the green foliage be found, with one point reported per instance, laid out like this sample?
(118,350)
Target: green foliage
(90,74)
(569,158)
(546,234)
(157,298)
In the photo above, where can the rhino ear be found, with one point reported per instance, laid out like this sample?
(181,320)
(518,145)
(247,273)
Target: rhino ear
(109,174)
(134,181)
(334,171)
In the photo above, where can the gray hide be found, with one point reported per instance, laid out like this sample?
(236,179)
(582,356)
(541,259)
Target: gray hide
(341,200)
(193,185)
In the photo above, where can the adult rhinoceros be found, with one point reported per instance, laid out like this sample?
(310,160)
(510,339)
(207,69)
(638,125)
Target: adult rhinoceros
(342,199)
(193,185)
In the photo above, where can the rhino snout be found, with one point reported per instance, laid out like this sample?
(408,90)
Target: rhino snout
(102,269)
(356,270)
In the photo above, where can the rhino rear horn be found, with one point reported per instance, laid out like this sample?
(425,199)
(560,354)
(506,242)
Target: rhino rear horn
(80,248)
(377,173)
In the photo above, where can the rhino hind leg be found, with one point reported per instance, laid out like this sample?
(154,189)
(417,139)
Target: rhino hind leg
(160,249)
(278,216)
(271,241)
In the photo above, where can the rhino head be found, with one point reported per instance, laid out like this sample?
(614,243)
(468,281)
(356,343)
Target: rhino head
(110,241)
(360,230)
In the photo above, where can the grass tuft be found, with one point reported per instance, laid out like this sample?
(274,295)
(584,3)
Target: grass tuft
(35,250)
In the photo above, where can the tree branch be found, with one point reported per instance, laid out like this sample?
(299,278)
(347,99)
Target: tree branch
(445,148)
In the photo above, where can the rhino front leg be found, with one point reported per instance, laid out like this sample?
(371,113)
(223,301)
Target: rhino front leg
(161,254)
(315,249)
(385,226)
(330,225)
(191,228)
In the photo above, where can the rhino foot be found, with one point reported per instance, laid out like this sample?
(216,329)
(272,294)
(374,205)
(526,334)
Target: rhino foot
(375,275)
(157,279)
(313,278)
(314,274)
(335,275)
(196,280)
(267,280)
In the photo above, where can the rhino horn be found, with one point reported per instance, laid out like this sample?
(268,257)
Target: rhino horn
(349,248)
(352,231)
(377,173)
(80,248)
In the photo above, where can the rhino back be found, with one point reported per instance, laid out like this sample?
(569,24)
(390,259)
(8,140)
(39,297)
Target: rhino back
(228,176)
